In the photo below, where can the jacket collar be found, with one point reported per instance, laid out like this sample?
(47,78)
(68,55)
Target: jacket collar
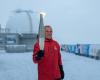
(48,40)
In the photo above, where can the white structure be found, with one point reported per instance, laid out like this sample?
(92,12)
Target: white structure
(4,30)
(21,29)
(23,21)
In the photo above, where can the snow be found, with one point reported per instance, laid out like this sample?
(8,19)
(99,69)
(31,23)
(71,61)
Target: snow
(80,68)
(19,66)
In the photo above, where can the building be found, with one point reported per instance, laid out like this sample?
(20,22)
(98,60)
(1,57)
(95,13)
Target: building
(21,31)
(13,39)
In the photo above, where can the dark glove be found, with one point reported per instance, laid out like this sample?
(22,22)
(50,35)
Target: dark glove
(40,54)
(61,71)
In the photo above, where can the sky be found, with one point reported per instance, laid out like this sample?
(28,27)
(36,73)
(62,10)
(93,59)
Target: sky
(73,21)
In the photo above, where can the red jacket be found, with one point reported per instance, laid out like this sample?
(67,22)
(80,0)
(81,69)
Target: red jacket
(48,66)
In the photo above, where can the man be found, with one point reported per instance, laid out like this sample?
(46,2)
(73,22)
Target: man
(48,60)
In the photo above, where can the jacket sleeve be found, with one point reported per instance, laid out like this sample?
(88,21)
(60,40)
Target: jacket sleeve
(35,50)
(59,57)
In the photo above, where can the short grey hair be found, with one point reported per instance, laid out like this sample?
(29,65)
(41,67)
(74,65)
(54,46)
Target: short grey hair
(48,26)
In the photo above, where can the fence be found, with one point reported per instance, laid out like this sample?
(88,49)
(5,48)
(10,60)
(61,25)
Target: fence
(89,50)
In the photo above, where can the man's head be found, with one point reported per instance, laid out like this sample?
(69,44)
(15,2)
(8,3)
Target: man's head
(48,32)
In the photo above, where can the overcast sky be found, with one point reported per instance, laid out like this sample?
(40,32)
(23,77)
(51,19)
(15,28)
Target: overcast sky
(73,21)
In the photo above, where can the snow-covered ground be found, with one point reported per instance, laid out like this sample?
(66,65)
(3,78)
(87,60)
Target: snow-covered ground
(19,66)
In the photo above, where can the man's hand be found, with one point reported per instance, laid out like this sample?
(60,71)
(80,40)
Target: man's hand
(61,71)
(40,54)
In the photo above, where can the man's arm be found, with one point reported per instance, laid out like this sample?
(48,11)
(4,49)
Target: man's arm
(35,50)
(37,53)
(60,65)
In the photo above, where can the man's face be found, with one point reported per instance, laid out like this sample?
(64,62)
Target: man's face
(48,33)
